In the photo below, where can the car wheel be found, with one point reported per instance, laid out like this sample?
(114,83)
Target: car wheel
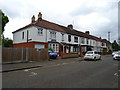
(100,58)
(114,59)
(95,59)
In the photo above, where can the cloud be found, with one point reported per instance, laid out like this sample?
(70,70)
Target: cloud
(98,16)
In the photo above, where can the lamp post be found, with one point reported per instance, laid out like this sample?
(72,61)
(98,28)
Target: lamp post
(108,36)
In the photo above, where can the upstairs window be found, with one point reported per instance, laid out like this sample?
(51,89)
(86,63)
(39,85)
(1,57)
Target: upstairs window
(69,38)
(76,39)
(23,35)
(87,41)
(40,31)
(82,40)
(62,36)
(52,35)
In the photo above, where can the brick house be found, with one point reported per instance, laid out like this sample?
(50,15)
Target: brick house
(41,33)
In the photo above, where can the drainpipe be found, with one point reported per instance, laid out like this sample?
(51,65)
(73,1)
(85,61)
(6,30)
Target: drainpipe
(28,36)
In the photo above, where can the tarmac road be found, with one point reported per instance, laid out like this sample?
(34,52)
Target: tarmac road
(70,74)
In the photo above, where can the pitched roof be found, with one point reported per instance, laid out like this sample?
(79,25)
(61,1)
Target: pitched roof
(44,24)
(79,33)
(106,41)
(50,25)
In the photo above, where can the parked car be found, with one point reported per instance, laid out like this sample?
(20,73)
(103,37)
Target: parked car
(114,53)
(116,56)
(92,55)
(52,55)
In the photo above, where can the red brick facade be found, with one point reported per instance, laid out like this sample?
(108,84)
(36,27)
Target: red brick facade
(29,44)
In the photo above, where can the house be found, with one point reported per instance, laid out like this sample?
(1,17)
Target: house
(41,33)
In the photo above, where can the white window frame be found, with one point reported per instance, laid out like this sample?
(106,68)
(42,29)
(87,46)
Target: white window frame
(23,35)
(82,40)
(40,31)
(52,35)
(54,47)
(76,40)
(62,36)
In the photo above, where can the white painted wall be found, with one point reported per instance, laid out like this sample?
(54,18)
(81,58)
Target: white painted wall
(33,34)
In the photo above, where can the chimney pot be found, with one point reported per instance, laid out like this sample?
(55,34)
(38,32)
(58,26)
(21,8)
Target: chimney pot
(70,26)
(33,19)
(39,16)
(87,32)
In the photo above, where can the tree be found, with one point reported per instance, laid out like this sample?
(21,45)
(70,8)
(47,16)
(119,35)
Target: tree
(3,21)
(7,42)
(115,46)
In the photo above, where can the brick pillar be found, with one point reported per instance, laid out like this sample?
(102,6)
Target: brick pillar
(81,53)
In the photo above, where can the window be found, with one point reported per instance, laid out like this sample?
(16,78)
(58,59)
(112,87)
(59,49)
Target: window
(87,41)
(75,49)
(82,40)
(62,36)
(22,35)
(54,47)
(90,42)
(40,31)
(96,52)
(52,35)
(94,42)
(69,38)
(76,39)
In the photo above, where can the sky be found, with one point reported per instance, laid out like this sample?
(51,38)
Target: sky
(97,16)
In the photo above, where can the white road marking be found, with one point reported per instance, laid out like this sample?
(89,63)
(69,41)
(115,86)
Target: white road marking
(116,74)
(33,74)
(68,62)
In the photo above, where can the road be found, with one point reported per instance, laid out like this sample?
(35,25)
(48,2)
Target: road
(72,74)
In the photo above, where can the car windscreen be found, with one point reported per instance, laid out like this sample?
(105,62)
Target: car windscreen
(89,53)
(118,53)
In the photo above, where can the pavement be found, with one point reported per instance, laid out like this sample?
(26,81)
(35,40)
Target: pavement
(27,65)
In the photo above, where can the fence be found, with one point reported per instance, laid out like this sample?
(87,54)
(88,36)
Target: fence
(24,54)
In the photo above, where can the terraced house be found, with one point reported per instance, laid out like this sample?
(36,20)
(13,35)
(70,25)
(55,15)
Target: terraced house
(41,33)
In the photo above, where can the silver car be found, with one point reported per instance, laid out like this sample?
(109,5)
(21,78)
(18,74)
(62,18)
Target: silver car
(92,55)
(114,53)
(116,56)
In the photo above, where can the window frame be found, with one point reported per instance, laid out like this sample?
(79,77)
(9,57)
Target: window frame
(23,35)
(40,31)
(82,40)
(69,38)
(54,47)
(62,36)
(76,39)
(53,35)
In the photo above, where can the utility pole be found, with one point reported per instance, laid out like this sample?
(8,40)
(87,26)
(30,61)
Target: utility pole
(108,36)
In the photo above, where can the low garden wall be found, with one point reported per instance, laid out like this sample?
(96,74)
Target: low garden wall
(69,55)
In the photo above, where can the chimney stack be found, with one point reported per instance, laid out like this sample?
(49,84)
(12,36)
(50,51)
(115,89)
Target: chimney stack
(33,19)
(70,26)
(87,32)
(39,16)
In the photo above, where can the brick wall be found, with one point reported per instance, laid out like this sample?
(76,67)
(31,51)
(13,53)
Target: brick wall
(29,44)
